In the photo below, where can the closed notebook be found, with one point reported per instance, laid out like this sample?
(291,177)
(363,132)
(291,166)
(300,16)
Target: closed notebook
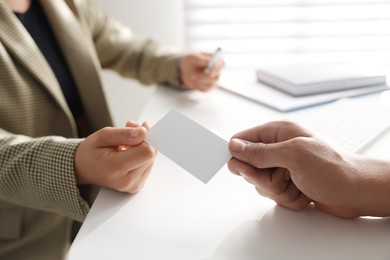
(308,79)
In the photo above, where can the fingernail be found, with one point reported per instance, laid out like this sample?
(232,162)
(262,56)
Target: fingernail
(237,145)
(146,125)
(136,132)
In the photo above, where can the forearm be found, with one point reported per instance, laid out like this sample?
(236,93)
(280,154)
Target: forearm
(148,64)
(373,197)
(131,55)
(140,58)
(39,173)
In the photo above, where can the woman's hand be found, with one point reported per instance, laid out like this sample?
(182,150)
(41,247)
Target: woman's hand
(115,158)
(192,71)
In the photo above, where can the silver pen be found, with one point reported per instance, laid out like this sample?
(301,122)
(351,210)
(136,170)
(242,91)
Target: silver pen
(213,60)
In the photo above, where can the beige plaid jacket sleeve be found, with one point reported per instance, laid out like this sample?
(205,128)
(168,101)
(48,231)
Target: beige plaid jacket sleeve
(39,198)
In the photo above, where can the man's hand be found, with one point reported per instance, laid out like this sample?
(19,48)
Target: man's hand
(290,165)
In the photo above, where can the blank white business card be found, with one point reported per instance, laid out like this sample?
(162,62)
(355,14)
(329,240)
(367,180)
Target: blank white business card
(196,149)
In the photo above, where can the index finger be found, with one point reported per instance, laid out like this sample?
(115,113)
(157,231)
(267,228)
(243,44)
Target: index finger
(219,64)
(273,132)
(112,137)
(200,59)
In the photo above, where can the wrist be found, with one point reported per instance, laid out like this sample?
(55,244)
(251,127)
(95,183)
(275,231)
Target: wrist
(80,180)
(373,187)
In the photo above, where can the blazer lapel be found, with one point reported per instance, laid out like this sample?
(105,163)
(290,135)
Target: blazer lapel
(20,45)
(78,50)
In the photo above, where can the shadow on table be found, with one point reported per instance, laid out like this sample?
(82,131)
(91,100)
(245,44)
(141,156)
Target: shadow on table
(311,234)
(110,203)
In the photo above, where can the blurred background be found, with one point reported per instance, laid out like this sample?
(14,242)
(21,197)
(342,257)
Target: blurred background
(253,33)
(160,20)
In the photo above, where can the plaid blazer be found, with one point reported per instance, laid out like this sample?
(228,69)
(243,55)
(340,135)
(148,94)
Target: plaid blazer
(39,197)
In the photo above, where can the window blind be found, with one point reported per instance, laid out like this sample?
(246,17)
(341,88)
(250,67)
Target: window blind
(253,33)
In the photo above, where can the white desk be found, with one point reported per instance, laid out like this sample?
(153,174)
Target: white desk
(176,217)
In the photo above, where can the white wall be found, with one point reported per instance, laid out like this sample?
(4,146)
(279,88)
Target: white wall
(162,20)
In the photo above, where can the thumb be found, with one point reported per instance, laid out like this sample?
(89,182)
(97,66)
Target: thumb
(200,60)
(113,137)
(259,155)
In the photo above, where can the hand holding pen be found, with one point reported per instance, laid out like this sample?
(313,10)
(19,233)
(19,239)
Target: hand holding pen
(201,71)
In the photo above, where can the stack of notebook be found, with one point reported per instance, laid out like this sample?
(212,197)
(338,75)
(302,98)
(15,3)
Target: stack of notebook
(309,79)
